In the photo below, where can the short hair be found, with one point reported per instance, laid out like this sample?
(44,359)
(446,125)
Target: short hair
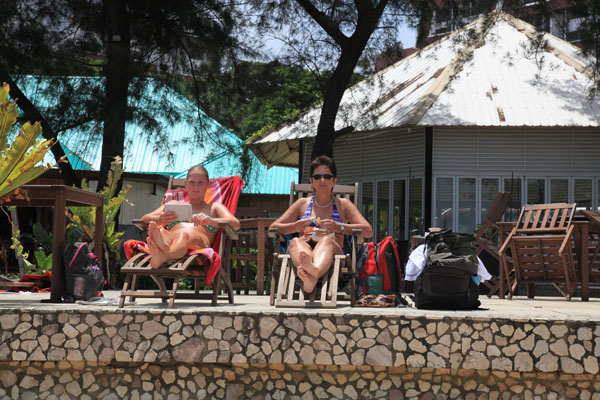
(197,167)
(326,161)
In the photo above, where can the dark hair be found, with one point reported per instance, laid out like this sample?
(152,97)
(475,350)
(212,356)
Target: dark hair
(323,160)
(197,167)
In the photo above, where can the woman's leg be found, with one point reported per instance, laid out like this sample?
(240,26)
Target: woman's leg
(161,236)
(297,245)
(183,239)
(322,257)
(299,250)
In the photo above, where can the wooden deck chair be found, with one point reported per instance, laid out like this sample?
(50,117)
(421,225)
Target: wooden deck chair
(207,266)
(285,288)
(540,244)
(487,236)
(593,248)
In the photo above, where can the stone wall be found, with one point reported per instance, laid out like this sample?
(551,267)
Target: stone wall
(133,343)
(94,380)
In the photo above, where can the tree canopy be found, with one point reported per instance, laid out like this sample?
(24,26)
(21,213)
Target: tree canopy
(118,40)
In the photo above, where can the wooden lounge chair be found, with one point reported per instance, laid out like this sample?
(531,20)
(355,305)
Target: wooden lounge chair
(285,286)
(540,244)
(487,236)
(196,265)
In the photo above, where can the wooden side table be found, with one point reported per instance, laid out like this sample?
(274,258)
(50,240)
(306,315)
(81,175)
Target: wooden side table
(59,197)
(254,231)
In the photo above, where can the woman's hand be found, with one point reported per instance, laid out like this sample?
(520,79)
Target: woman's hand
(165,218)
(301,225)
(331,225)
(203,219)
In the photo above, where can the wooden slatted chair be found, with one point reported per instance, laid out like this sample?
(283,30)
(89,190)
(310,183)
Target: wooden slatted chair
(540,244)
(195,265)
(593,247)
(285,289)
(487,236)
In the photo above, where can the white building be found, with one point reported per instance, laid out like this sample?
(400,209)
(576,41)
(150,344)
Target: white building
(488,108)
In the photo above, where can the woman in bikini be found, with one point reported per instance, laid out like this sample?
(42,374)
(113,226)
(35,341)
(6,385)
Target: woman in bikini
(169,239)
(332,217)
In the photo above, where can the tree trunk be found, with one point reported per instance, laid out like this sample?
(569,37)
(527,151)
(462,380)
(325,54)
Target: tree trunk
(352,49)
(118,76)
(33,114)
(426,14)
(326,133)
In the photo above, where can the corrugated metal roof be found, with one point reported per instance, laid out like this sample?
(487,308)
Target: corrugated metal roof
(258,178)
(192,140)
(490,73)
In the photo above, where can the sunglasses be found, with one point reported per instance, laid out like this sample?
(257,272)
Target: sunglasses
(318,177)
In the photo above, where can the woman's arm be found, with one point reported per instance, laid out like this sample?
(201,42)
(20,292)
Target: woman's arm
(290,222)
(221,214)
(355,220)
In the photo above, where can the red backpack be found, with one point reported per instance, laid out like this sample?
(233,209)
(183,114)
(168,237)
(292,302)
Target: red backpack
(378,259)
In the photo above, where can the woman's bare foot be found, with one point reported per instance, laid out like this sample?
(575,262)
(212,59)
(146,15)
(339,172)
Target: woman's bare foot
(158,257)
(156,235)
(306,263)
(310,280)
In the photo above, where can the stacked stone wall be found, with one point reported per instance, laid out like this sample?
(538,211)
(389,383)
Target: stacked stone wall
(85,380)
(459,353)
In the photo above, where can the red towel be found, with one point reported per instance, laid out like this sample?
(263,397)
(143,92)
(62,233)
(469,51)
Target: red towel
(42,283)
(210,258)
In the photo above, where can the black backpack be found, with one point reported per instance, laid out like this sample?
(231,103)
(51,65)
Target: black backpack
(447,280)
(83,274)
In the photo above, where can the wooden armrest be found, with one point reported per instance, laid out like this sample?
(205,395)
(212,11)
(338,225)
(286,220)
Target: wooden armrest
(359,236)
(567,239)
(138,223)
(232,233)
(273,232)
(506,242)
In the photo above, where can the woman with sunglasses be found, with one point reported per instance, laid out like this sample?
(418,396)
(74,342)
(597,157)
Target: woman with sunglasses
(321,221)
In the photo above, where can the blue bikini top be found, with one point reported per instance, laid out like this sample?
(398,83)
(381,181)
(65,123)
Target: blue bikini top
(335,215)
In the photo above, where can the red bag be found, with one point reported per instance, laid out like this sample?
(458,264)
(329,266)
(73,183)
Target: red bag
(381,259)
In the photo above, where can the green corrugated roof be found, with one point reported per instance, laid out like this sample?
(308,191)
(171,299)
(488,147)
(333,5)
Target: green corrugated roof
(194,139)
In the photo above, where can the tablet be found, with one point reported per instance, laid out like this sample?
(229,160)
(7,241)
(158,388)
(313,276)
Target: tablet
(183,210)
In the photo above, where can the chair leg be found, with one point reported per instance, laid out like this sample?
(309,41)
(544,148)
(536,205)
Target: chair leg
(134,281)
(275,271)
(174,291)
(493,285)
(229,286)
(282,286)
(216,288)
(125,287)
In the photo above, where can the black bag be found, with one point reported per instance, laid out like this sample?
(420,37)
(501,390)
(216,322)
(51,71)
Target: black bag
(83,273)
(447,280)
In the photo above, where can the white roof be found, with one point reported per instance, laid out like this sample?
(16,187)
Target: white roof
(490,73)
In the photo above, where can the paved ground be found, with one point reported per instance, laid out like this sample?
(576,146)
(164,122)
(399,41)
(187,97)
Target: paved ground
(545,308)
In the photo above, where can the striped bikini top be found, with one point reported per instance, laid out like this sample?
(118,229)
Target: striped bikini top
(335,215)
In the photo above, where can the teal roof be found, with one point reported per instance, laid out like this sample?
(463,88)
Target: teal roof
(192,139)
(258,178)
